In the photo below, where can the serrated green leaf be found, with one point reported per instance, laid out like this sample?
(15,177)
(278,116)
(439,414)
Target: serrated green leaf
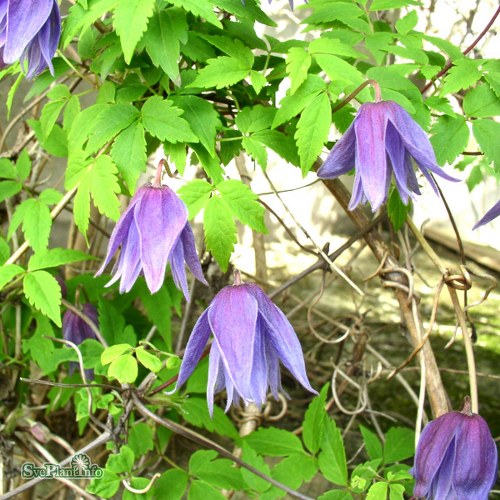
(202,118)
(9,188)
(44,293)
(81,206)
(326,45)
(282,144)
(220,230)
(195,411)
(195,195)
(149,360)
(202,9)
(140,439)
(298,62)
(399,444)
(171,485)
(312,130)
(397,210)
(129,154)
(23,165)
(339,71)
(291,106)
(243,203)
(339,11)
(7,170)
(258,80)
(377,491)
(9,272)
(200,490)
(440,104)
(486,133)
(252,458)
(449,138)
(295,470)
(123,461)
(167,30)
(50,196)
(56,257)
(105,486)
(481,102)
(36,225)
(110,122)
(274,442)
(373,445)
(104,186)
(332,461)
(219,472)
(314,421)
(221,72)
(113,352)
(50,113)
(124,369)
(461,76)
(407,23)
(391,4)
(163,120)
(254,119)
(130,20)
(255,149)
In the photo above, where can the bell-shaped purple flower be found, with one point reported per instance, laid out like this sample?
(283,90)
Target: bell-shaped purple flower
(76,330)
(491,214)
(29,32)
(251,337)
(152,231)
(382,140)
(456,458)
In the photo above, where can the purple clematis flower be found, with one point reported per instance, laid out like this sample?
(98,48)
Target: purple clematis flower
(29,32)
(491,214)
(76,330)
(251,336)
(381,141)
(456,458)
(152,231)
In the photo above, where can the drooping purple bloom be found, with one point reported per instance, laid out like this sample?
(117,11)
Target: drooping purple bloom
(456,458)
(29,32)
(251,337)
(382,140)
(76,330)
(152,231)
(491,214)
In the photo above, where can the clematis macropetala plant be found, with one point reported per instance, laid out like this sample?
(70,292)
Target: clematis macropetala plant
(456,457)
(76,330)
(491,214)
(381,142)
(29,32)
(152,232)
(251,337)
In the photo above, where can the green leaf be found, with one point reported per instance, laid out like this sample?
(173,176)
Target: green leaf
(377,491)
(292,105)
(274,442)
(332,461)
(220,473)
(486,133)
(397,210)
(122,461)
(250,457)
(220,230)
(243,203)
(391,4)
(333,11)
(462,75)
(50,196)
(167,30)
(254,119)
(336,495)
(110,122)
(399,444)
(129,154)
(195,194)
(339,71)
(36,223)
(163,120)
(171,485)
(295,469)
(124,369)
(312,130)
(396,491)
(140,438)
(150,361)
(450,138)
(113,352)
(105,486)
(44,293)
(9,189)
(200,490)
(298,62)
(49,115)
(407,23)
(202,9)
(258,80)
(282,144)
(255,149)
(222,72)
(56,257)
(314,421)
(130,21)
(23,165)
(326,45)
(9,272)
(481,102)
(7,170)
(202,117)
(373,445)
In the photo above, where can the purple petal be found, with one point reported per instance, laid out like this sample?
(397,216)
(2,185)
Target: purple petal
(371,161)
(341,158)
(358,195)
(475,468)
(120,231)
(190,254)
(233,317)
(160,218)
(274,373)
(24,21)
(178,270)
(130,259)
(194,349)
(259,374)
(491,214)
(397,155)
(215,376)
(49,37)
